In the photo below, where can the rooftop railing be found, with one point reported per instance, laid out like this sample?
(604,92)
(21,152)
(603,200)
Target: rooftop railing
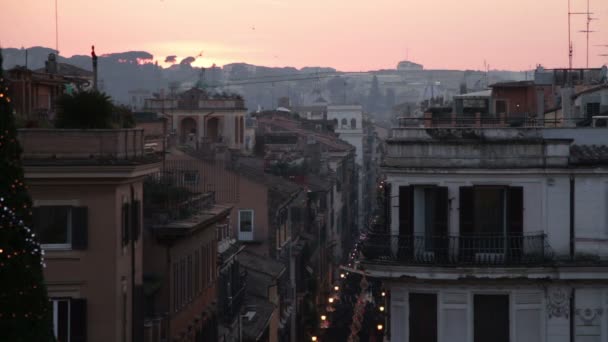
(460,250)
(477,120)
(112,144)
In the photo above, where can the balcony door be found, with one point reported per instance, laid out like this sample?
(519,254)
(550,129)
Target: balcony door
(245,225)
(423,222)
(491,221)
(491,318)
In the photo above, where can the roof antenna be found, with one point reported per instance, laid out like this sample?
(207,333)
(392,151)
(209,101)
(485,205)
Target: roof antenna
(56,30)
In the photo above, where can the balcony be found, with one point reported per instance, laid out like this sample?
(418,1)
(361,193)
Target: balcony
(230,305)
(469,250)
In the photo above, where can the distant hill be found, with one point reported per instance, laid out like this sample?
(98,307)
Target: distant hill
(263,86)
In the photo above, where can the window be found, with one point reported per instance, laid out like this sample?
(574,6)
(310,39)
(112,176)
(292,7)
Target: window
(69,319)
(204,263)
(190,177)
(182,280)
(501,107)
(61,319)
(246,225)
(423,317)
(353,123)
(189,277)
(491,222)
(491,210)
(344,123)
(197,280)
(209,264)
(491,318)
(593,109)
(175,286)
(61,226)
(54,226)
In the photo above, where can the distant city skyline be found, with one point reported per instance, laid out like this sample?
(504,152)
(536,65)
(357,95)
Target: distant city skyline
(349,36)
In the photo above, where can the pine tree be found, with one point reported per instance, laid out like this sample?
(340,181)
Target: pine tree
(24,305)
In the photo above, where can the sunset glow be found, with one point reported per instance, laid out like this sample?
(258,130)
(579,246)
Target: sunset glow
(348,35)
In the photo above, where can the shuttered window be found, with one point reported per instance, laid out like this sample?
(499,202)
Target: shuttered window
(61,227)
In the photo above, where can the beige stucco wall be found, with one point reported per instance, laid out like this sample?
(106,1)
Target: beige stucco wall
(94,273)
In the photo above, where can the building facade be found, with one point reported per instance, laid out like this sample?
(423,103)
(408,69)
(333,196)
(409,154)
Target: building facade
(87,190)
(198,117)
(493,235)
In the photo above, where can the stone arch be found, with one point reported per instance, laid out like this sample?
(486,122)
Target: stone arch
(188,128)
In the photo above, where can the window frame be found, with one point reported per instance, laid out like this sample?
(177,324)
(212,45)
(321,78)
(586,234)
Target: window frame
(188,173)
(246,235)
(55,308)
(69,228)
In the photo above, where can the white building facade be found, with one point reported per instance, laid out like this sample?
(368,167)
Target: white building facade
(349,127)
(494,235)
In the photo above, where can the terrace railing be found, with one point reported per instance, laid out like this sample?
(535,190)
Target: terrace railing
(460,250)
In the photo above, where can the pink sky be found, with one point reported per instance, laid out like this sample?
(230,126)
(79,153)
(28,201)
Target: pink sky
(349,35)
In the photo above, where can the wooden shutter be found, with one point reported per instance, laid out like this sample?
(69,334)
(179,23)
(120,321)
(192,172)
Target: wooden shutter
(125,223)
(78,320)
(515,210)
(388,205)
(406,210)
(80,228)
(441,218)
(136,219)
(440,229)
(467,210)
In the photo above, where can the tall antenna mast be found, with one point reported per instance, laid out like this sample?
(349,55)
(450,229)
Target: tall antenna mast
(56,30)
(587,31)
(569,39)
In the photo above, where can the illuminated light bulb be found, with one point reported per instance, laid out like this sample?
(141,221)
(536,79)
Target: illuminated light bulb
(342,275)
(314,338)
(382,309)
(383,294)
(323,317)
(337,288)
(331,300)
(379,327)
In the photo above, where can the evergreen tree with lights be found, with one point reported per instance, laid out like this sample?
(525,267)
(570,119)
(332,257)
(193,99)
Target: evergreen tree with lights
(24,305)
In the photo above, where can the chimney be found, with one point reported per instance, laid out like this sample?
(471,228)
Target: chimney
(94,57)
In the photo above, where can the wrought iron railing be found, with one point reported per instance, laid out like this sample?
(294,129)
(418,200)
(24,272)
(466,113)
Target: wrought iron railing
(488,250)
(231,300)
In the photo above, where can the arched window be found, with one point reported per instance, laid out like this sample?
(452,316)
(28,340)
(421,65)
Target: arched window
(344,122)
(353,123)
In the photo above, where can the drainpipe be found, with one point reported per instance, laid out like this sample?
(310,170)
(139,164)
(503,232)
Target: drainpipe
(572,320)
(572,199)
(168,314)
(133,303)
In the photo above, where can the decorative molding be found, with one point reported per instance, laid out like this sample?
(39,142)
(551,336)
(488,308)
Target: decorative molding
(558,302)
(588,315)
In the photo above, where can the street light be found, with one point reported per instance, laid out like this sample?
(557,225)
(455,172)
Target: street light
(383,294)
(380,327)
(323,317)
(331,300)
(342,275)
(314,338)
(381,308)
(337,288)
